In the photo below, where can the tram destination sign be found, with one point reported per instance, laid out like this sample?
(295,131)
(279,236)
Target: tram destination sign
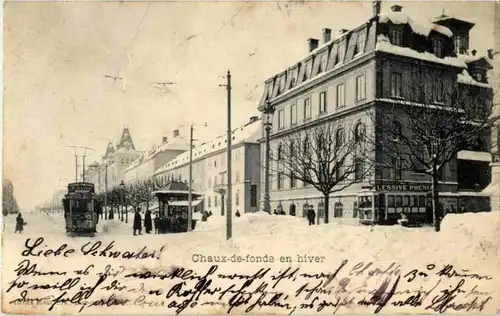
(404,187)
(81,188)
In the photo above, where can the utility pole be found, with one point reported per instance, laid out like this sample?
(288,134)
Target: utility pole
(76,160)
(190,196)
(229,223)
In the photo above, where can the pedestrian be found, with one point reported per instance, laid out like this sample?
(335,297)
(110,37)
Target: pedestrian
(204,216)
(238,213)
(275,212)
(148,223)
(156,224)
(311,215)
(137,222)
(209,213)
(19,224)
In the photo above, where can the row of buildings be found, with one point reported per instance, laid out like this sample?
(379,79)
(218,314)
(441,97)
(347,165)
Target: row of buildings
(338,80)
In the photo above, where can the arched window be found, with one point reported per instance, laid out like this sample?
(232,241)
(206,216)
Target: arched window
(339,137)
(338,210)
(359,133)
(396,131)
(321,209)
(355,210)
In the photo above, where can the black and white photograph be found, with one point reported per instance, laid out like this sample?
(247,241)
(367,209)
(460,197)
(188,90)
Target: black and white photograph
(250,157)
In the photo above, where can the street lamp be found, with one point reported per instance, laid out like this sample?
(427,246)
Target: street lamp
(268,111)
(122,196)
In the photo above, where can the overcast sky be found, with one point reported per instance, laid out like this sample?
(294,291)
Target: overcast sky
(57,56)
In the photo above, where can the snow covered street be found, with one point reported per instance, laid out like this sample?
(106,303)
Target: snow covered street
(467,242)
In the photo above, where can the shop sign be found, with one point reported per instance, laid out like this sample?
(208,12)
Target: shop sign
(403,187)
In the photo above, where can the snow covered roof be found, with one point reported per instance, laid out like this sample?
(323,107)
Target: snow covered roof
(249,133)
(419,27)
(466,78)
(384,45)
(177,143)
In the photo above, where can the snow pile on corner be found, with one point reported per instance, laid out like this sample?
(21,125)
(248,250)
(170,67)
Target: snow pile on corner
(420,27)
(465,78)
(384,45)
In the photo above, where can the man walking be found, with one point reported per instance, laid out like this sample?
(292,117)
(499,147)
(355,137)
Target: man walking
(311,215)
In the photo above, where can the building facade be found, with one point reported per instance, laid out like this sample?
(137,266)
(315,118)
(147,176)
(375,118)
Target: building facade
(110,171)
(364,69)
(145,166)
(209,169)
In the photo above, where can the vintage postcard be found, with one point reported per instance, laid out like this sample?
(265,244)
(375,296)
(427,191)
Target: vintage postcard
(250,157)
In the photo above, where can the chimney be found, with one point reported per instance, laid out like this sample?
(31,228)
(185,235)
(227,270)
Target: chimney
(473,52)
(376,7)
(342,31)
(165,139)
(490,53)
(176,133)
(396,8)
(313,44)
(327,35)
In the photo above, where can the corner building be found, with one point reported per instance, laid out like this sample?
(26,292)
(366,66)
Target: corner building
(362,70)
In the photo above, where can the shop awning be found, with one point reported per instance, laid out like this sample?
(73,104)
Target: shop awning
(184,203)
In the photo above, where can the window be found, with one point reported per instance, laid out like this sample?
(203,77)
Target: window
(360,88)
(293,180)
(253,195)
(399,201)
(359,133)
(461,42)
(322,102)
(338,210)
(281,119)
(478,76)
(355,210)
(339,138)
(339,172)
(396,36)
(359,169)
(360,45)
(237,177)
(396,171)
(396,85)
(406,200)
(307,109)
(209,182)
(341,51)
(340,95)
(293,114)
(438,90)
(390,201)
(396,131)
(209,201)
(421,201)
(281,180)
(237,198)
(437,47)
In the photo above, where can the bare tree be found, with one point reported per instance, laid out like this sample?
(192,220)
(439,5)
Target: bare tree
(326,157)
(427,120)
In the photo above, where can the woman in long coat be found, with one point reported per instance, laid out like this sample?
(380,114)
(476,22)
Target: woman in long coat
(148,223)
(137,222)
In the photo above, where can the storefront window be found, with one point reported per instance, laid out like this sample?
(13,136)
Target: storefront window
(399,201)
(390,201)
(406,200)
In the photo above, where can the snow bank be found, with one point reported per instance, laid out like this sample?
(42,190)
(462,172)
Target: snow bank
(465,78)
(468,241)
(420,27)
(385,46)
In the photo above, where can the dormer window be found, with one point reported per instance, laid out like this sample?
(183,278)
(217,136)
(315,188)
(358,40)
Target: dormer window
(437,47)
(396,36)
(478,76)
(461,42)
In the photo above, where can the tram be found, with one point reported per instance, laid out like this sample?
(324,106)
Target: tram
(386,208)
(79,209)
